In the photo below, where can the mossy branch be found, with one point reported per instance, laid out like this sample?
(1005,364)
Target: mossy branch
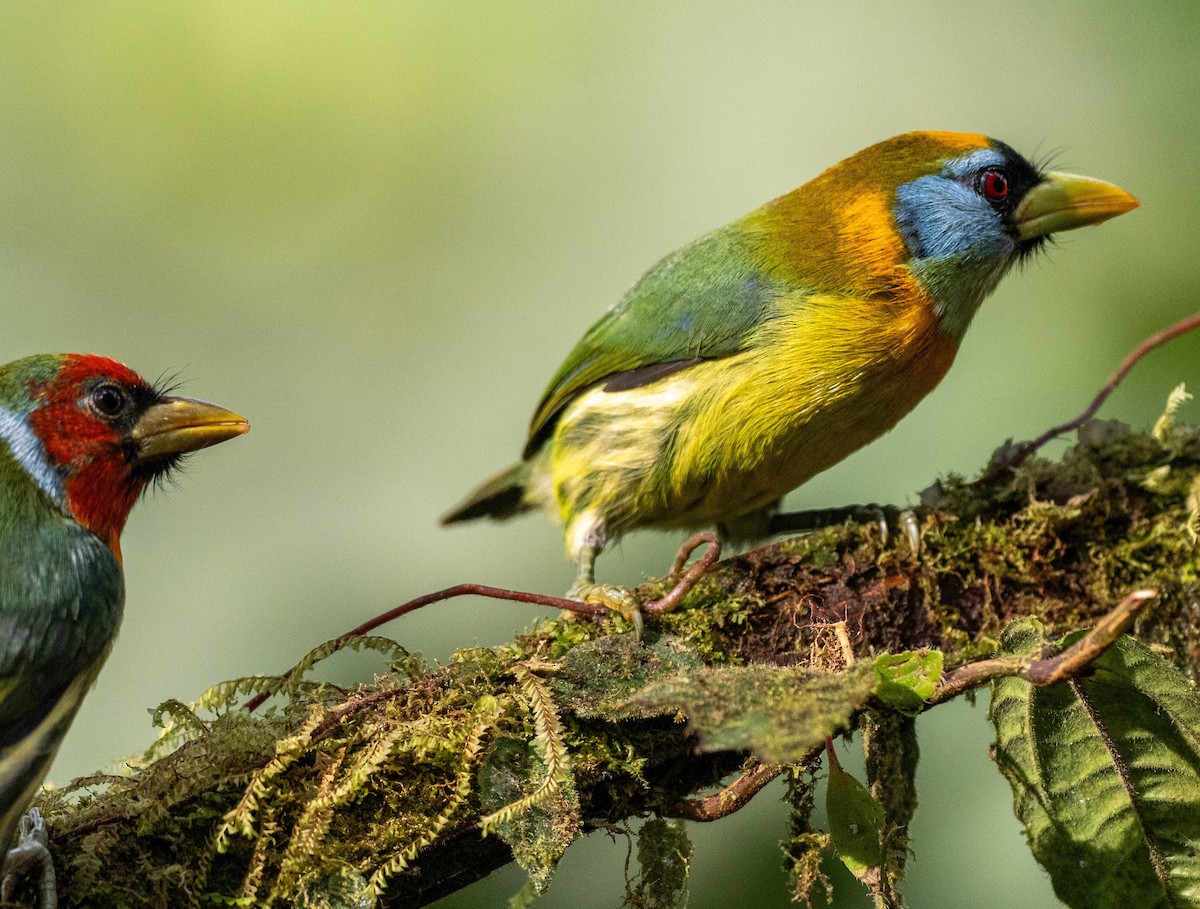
(333,798)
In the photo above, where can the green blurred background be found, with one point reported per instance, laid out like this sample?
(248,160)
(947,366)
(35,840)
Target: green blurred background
(376,228)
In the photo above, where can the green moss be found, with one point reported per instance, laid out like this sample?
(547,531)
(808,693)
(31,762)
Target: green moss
(376,783)
(819,548)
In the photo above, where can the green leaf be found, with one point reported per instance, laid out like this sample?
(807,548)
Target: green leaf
(538,834)
(905,681)
(779,713)
(1105,772)
(665,857)
(890,747)
(855,824)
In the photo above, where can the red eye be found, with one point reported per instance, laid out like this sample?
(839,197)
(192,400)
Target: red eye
(995,185)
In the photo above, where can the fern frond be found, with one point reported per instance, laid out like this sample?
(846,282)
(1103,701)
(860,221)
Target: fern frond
(241,819)
(487,710)
(1166,422)
(550,742)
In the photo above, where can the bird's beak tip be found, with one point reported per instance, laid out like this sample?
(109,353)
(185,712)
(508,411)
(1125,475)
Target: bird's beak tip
(1063,201)
(177,425)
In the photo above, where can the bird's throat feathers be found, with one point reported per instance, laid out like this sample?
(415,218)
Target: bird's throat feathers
(100,492)
(87,498)
(100,496)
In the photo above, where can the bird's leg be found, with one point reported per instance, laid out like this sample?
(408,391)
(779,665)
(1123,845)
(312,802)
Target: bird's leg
(880,515)
(749,529)
(31,850)
(592,537)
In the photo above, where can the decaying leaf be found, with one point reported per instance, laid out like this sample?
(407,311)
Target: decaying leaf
(779,713)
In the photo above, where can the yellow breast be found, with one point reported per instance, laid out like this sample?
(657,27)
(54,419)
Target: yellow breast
(824,377)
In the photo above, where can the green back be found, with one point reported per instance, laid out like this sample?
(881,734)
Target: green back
(61,596)
(701,302)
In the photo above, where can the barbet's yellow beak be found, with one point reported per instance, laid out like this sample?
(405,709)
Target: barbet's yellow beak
(176,425)
(1066,201)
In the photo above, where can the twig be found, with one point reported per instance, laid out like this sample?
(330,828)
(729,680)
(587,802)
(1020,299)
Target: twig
(1053,669)
(972,675)
(458,590)
(664,604)
(1025,449)
(1080,654)
(732,798)
(675,596)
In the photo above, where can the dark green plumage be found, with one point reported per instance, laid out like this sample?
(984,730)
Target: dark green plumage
(80,438)
(61,597)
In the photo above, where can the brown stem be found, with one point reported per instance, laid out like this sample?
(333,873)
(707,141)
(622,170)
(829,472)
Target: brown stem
(458,590)
(1054,669)
(964,678)
(664,604)
(1080,654)
(1025,449)
(732,798)
(675,595)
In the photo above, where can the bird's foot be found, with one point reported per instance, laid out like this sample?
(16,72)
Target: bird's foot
(619,599)
(906,519)
(882,516)
(31,850)
(686,578)
(622,600)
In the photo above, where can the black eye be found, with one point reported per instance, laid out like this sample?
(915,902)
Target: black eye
(109,399)
(994,185)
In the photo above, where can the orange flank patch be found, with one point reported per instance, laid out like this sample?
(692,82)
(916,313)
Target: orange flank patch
(869,244)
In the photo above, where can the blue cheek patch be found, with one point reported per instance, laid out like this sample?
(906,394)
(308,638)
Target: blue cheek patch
(973,163)
(940,217)
(28,451)
(959,245)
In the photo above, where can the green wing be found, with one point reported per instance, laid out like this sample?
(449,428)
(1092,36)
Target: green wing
(61,596)
(698,303)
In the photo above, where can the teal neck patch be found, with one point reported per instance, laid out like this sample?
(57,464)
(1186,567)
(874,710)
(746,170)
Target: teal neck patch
(958,285)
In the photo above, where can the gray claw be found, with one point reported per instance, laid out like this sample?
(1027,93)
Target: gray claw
(31,850)
(871,514)
(912,530)
(887,516)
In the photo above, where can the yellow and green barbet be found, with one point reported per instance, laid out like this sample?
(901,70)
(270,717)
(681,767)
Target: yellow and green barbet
(765,352)
(81,437)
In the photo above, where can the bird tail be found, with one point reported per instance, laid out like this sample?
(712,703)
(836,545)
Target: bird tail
(499,498)
(29,743)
